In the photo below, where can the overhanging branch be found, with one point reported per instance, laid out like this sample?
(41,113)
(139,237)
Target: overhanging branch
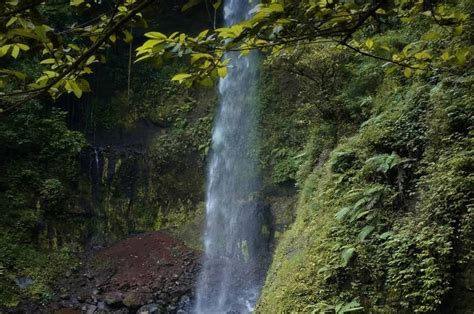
(77,64)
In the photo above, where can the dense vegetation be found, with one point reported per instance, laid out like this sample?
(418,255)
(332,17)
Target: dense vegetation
(384,217)
(371,133)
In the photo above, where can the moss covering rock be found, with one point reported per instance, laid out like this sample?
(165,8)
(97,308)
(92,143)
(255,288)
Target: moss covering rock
(385,224)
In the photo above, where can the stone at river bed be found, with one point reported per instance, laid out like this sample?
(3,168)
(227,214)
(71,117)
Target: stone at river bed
(127,276)
(136,298)
(88,309)
(113,298)
(150,309)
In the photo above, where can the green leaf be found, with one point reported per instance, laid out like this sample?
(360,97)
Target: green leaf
(390,69)
(128,37)
(197,56)
(18,74)
(203,34)
(276,7)
(48,61)
(15,51)
(71,86)
(222,72)
(445,56)
(207,82)
(365,232)
(188,5)
(155,35)
(150,43)
(347,255)
(431,36)
(407,72)
(91,60)
(76,3)
(11,21)
(360,215)
(216,4)
(385,235)
(342,213)
(369,43)
(461,55)
(84,85)
(353,306)
(4,50)
(181,77)
(423,55)
(458,30)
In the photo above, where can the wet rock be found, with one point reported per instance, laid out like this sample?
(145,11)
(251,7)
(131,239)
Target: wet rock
(150,309)
(184,305)
(89,275)
(67,311)
(136,298)
(102,306)
(65,304)
(80,298)
(65,296)
(89,309)
(23,282)
(114,299)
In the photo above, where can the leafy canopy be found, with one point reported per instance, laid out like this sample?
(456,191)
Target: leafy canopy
(67,54)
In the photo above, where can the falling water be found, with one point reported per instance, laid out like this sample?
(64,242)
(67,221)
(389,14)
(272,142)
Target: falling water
(235,245)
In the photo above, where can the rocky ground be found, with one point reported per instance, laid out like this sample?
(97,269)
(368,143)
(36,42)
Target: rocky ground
(147,273)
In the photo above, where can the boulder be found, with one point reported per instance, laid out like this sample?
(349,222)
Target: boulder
(136,298)
(113,299)
(150,309)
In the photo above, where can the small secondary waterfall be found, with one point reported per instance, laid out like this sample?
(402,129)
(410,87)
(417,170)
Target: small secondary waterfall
(235,238)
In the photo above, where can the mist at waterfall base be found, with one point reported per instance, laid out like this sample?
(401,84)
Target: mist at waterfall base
(235,239)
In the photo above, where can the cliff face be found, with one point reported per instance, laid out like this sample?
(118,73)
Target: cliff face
(143,166)
(150,175)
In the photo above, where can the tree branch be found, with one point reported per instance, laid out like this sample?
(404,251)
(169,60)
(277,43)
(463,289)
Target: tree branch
(89,52)
(378,57)
(362,20)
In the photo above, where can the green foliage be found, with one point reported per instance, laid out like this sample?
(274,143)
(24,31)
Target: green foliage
(386,220)
(342,162)
(350,307)
(66,52)
(277,23)
(310,106)
(25,260)
(38,166)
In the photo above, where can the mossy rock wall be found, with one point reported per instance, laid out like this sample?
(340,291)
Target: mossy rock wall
(385,224)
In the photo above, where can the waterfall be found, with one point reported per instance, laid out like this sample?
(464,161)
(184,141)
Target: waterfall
(234,262)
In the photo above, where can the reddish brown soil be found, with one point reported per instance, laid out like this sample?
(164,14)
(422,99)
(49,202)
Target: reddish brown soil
(153,268)
(147,260)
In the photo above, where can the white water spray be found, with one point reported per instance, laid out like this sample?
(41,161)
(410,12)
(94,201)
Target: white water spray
(235,260)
